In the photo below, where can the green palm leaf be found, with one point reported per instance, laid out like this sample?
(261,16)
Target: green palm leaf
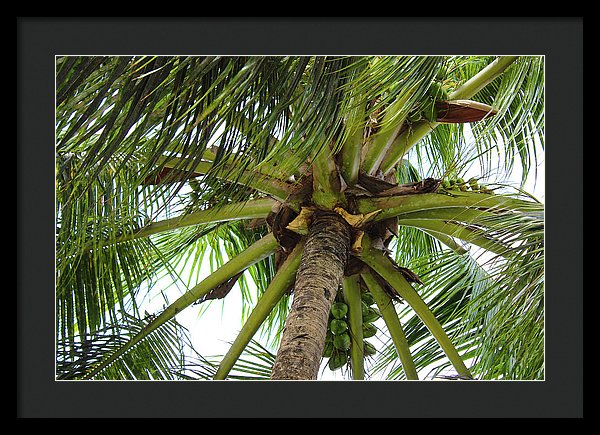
(485,304)
(519,96)
(160,357)
(449,280)
(255,364)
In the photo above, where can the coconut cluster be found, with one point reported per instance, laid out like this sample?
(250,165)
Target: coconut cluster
(471,184)
(338,342)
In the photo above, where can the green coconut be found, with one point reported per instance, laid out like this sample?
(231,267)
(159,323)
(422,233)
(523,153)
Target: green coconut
(364,308)
(369,330)
(339,310)
(372,315)
(338,326)
(369,349)
(367,298)
(337,360)
(473,184)
(342,342)
(329,335)
(328,349)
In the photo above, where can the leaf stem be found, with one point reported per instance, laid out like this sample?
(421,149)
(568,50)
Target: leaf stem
(281,282)
(376,149)
(470,215)
(410,137)
(459,231)
(326,184)
(351,149)
(263,183)
(392,206)
(382,265)
(388,312)
(242,210)
(447,240)
(351,290)
(253,254)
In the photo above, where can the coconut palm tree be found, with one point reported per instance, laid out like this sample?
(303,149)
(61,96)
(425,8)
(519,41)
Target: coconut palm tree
(345,196)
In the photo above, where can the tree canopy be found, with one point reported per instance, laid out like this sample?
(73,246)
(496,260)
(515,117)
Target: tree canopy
(166,162)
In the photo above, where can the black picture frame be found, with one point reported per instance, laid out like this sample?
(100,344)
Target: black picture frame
(40,39)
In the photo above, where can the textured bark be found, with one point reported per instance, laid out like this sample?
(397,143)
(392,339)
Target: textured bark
(317,280)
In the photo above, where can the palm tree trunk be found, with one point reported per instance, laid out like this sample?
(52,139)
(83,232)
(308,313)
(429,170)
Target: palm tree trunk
(317,281)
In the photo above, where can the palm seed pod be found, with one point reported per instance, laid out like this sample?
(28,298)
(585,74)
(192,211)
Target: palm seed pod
(372,315)
(369,330)
(367,298)
(369,349)
(339,310)
(338,326)
(338,359)
(328,349)
(342,342)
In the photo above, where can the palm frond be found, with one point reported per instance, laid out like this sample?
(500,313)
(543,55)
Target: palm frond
(259,250)
(412,243)
(95,275)
(93,281)
(190,249)
(179,103)
(510,312)
(255,364)
(449,280)
(197,251)
(517,130)
(490,306)
(445,152)
(410,78)
(161,356)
